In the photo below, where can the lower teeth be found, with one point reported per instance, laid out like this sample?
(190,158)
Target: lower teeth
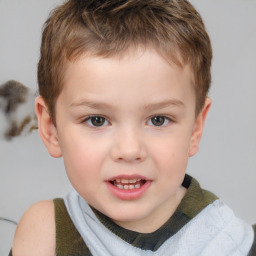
(126,187)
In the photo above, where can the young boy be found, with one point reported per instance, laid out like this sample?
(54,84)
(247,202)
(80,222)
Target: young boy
(123,99)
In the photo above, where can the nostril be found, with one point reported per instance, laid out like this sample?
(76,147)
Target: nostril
(127,148)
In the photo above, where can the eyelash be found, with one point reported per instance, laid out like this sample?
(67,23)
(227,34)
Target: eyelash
(166,120)
(88,120)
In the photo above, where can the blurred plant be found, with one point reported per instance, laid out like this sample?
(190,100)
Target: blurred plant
(17,115)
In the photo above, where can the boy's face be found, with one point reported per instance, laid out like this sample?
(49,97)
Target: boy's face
(125,128)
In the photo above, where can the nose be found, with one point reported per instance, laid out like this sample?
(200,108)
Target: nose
(128,146)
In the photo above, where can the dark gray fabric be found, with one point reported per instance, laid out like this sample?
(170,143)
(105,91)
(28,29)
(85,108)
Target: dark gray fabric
(253,249)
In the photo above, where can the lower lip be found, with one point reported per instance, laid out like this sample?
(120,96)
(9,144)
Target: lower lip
(128,194)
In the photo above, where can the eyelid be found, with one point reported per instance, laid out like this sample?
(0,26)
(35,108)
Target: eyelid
(87,118)
(168,118)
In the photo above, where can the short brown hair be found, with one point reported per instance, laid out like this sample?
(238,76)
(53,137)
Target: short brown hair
(109,27)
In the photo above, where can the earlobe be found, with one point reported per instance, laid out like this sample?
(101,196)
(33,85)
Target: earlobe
(198,128)
(47,129)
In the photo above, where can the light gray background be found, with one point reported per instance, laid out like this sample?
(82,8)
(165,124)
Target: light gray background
(226,163)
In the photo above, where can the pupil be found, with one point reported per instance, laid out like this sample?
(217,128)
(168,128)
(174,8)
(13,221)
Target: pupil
(158,120)
(98,121)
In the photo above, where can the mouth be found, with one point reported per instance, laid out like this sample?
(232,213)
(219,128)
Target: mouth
(128,184)
(128,188)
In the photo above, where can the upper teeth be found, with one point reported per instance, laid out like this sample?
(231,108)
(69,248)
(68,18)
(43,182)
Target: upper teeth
(127,181)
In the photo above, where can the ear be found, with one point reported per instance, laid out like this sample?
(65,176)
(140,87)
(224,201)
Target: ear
(198,127)
(47,129)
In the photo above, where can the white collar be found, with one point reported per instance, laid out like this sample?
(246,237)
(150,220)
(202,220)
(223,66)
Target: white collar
(214,231)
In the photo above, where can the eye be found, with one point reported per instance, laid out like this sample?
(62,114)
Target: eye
(96,121)
(159,121)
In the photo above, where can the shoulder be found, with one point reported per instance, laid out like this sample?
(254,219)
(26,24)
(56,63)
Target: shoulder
(35,234)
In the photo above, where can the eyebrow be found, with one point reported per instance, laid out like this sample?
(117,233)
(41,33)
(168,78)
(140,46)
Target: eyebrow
(90,104)
(164,104)
(148,107)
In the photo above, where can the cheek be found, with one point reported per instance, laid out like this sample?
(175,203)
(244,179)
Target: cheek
(82,159)
(172,149)
(170,159)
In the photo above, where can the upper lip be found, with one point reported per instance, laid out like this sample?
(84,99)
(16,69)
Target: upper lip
(128,177)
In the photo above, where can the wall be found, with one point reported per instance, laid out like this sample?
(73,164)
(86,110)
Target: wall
(226,163)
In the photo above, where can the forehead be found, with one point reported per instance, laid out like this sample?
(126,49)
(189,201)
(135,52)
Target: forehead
(134,54)
(140,70)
